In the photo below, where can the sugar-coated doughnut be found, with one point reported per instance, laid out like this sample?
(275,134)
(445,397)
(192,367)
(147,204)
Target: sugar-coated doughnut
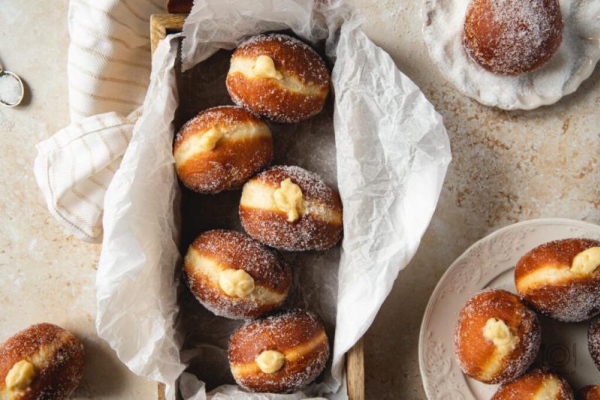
(561,279)
(590,392)
(279,354)
(234,276)
(292,209)
(512,37)
(278,77)
(41,362)
(497,337)
(221,148)
(594,341)
(534,385)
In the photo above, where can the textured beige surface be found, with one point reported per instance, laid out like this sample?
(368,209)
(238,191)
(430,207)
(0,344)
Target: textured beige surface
(45,275)
(508,167)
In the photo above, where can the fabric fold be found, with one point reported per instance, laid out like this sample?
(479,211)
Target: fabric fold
(75,166)
(108,70)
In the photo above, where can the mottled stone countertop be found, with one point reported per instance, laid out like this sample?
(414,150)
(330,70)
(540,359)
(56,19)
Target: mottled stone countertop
(507,167)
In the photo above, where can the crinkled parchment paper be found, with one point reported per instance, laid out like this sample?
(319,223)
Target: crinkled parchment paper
(378,140)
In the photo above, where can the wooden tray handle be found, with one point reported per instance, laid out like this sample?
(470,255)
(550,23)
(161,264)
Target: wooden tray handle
(163,24)
(355,371)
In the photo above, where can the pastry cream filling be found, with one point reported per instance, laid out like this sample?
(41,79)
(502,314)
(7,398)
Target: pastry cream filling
(500,334)
(211,270)
(38,360)
(289,82)
(584,263)
(236,283)
(259,195)
(206,141)
(288,198)
(270,361)
(264,67)
(20,375)
(587,261)
(550,390)
(209,140)
(291,355)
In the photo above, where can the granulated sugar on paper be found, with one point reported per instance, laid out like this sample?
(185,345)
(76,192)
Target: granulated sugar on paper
(10,89)
(572,64)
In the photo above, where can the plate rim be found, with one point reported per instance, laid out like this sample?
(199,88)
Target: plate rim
(440,284)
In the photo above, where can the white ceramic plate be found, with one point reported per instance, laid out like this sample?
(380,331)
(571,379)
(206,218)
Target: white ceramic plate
(573,63)
(490,263)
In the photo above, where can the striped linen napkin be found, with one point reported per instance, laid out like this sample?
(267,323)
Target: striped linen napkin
(109,66)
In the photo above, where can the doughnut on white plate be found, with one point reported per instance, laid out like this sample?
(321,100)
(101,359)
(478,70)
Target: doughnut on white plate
(489,263)
(573,62)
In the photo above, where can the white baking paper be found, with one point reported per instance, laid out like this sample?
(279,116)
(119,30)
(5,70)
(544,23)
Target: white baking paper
(389,158)
(135,282)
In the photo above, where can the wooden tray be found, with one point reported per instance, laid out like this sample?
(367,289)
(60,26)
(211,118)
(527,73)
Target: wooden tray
(160,26)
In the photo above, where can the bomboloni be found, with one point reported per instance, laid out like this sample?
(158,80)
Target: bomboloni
(279,354)
(537,384)
(561,279)
(512,37)
(278,77)
(497,337)
(289,208)
(221,148)
(234,276)
(42,362)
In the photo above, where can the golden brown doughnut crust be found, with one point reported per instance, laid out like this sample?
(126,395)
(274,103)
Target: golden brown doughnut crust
(474,351)
(590,392)
(179,6)
(572,300)
(298,334)
(526,387)
(232,161)
(512,37)
(61,368)
(309,232)
(234,250)
(264,95)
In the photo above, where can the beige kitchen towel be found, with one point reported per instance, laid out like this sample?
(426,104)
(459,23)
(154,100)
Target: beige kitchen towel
(109,54)
(109,65)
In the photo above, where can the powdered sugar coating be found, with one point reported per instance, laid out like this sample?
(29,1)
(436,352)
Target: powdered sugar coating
(512,36)
(266,96)
(573,300)
(214,116)
(473,350)
(590,392)
(57,354)
(234,250)
(312,71)
(283,332)
(308,232)
(233,161)
(594,341)
(528,386)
